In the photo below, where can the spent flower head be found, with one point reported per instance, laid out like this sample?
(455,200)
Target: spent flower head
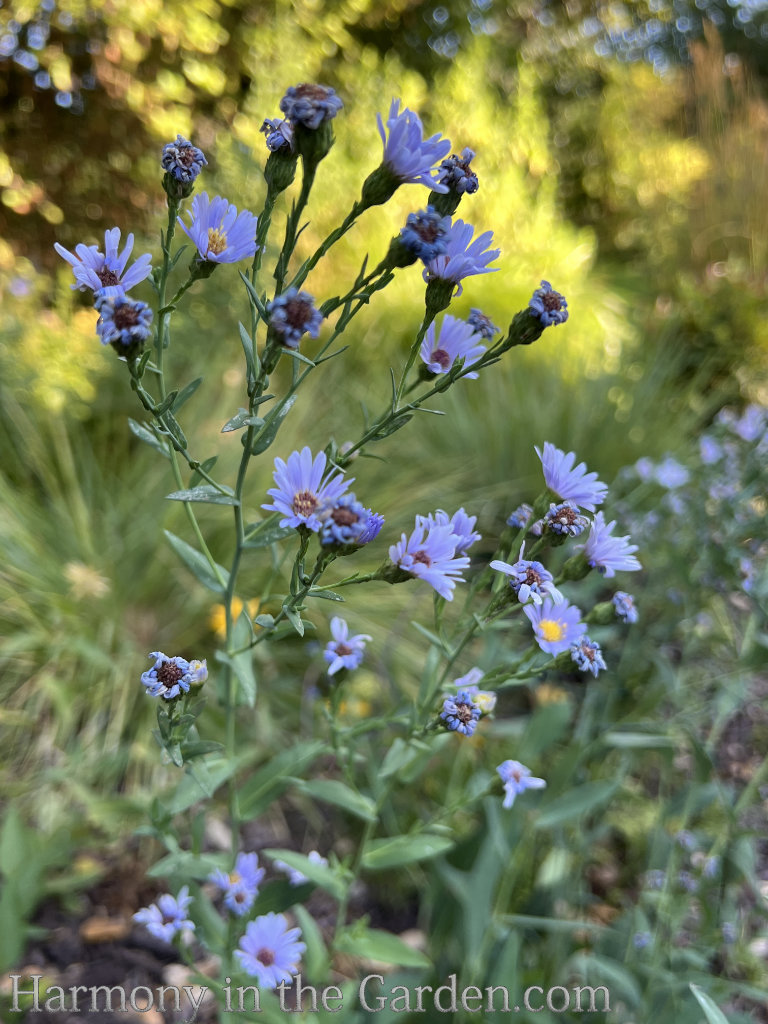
(482,324)
(221,234)
(123,323)
(455,172)
(96,270)
(485,699)
(168,916)
(609,554)
(279,135)
(529,580)
(344,651)
(293,314)
(270,950)
(429,554)
(310,105)
(624,606)
(548,306)
(555,626)
(521,516)
(517,778)
(460,713)
(569,482)
(169,677)
(587,655)
(348,522)
(565,519)
(301,493)
(457,340)
(183,160)
(424,234)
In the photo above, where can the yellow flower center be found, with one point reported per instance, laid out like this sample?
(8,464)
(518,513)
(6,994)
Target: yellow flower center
(234,878)
(551,630)
(217,241)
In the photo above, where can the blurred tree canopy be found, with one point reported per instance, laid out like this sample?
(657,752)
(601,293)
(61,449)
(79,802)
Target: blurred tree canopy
(632,134)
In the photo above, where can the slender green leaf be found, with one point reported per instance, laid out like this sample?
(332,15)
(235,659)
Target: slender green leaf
(272,424)
(326,595)
(206,466)
(295,354)
(274,777)
(166,404)
(320,874)
(186,393)
(295,619)
(206,493)
(257,301)
(396,851)
(198,564)
(375,944)
(145,434)
(267,533)
(331,791)
(577,802)
(242,418)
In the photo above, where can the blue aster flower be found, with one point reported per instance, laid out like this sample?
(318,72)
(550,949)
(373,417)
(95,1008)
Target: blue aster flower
(569,482)
(687,881)
(529,580)
(241,887)
(608,554)
(183,160)
(349,522)
(729,932)
(279,135)
(482,324)
(407,154)
(521,516)
(429,554)
(301,493)
(711,867)
(624,606)
(270,950)
(462,526)
(296,877)
(587,655)
(517,778)
(169,677)
(344,651)
(710,451)
(123,322)
(548,306)
(456,174)
(168,916)
(310,105)
(641,939)
(221,234)
(751,424)
(685,838)
(463,257)
(425,233)
(748,571)
(460,713)
(292,314)
(671,474)
(96,270)
(655,879)
(645,468)
(566,519)
(555,626)
(457,340)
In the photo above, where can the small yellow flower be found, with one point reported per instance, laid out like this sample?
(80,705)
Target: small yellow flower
(548,694)
(218,616)
(85,581)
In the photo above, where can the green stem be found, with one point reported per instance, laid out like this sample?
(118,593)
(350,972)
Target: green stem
(429,316)
(325,245)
